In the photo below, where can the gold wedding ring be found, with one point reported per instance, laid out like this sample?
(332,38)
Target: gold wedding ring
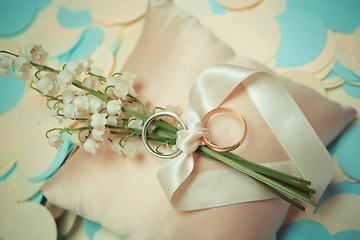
(225,110)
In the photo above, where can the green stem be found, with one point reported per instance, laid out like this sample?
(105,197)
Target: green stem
(264,170)
(141,104)
(143,117)
(255,175)
(68,130)
(282,196)
(98,76)
(97,94)
(44,67)
(13,54)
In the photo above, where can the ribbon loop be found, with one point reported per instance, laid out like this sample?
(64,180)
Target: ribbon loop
(224,187)
(189,140)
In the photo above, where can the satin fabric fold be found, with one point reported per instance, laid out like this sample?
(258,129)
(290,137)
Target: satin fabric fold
(285,119)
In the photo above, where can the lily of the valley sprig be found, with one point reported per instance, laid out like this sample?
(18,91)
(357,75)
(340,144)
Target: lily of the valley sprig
(109,109)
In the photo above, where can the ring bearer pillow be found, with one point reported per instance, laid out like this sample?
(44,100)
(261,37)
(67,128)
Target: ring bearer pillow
(125,195)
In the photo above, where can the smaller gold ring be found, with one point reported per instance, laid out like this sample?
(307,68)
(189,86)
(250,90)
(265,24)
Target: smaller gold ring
(233,112)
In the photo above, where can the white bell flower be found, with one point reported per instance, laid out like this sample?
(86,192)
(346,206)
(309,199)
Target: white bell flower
(55,141)
(74,138)
(90,146)
(48,84)
(4,71)
(97,71)
(54,114)
(6,62)
(122,89)
(90,82)
(95,105)
(43,58)
(22,63)
(128,78)
(82,114)
(68,96)
(32,51)
(82,102)
(54,91)
(170,108)
(115,146)
(98,120)
(114,107)
(114,121)
(75,68)
(70,110)
(121,92)
(110,81)
(132,92)
(130,149)
(65,78)
(45,85)
(135,123)
(52,76)
(100,134)
(86,62)
(177,110)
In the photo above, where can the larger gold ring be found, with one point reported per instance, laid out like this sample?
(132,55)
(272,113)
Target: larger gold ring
(233,112)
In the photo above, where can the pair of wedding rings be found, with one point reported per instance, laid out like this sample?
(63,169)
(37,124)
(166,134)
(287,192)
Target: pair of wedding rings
(183,126)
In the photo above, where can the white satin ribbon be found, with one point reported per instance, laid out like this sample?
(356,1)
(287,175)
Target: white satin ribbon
(229,186)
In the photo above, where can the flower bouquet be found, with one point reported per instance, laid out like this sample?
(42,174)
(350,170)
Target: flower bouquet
(219,193)
(109,109)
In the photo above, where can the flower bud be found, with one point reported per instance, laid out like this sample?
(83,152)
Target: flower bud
(65,78)
(68,96)
(82,102)
(86,62)
(74,68)
(22,63)
(135,123)
(114,121)
(22,75)
(90,146)
(4,71)
(115,146)
(130,149)
(55,141)
(98,120)
(90,82)
(100,134)
(44,85)
(128,78)
(6,62)
(95,105)
(70,110)
(113,107)
(32,51)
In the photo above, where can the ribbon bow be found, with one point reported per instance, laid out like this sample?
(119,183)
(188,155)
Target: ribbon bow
(228,186)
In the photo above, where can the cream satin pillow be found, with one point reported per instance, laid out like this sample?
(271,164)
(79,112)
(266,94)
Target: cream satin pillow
(125,196)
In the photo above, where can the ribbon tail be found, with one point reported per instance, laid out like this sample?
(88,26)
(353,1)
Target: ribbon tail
(173,173)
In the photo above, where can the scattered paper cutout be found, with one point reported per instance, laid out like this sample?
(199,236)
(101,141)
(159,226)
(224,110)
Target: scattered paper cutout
(311,230)
(342,16)
(74,19)
(16,15)
(90,39)
(91,228)
(303,37)
(21,223)
(216,8)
